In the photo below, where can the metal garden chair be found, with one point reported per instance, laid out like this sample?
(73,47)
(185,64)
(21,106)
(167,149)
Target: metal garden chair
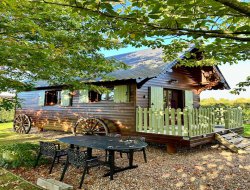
(52,150)
(79,159)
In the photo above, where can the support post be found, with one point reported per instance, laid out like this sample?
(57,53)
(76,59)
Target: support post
(171,149)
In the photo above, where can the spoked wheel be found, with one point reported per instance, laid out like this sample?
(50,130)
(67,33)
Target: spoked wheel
(90,126)
(22,124)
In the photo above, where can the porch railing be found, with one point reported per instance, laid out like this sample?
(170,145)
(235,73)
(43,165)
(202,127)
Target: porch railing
(186,122)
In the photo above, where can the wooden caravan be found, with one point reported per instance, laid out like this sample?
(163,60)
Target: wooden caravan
(152,98)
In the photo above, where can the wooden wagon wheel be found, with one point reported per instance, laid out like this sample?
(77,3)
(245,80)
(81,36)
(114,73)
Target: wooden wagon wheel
(90,126)
(22,124)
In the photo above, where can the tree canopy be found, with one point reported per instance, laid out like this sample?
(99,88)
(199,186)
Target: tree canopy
(51,43)
(218,28)
(60,40)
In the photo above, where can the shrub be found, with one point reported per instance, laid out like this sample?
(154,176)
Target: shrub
(20,154)
(6,116)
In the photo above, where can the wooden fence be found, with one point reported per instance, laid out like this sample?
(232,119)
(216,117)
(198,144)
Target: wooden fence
(233,118)
(186,122)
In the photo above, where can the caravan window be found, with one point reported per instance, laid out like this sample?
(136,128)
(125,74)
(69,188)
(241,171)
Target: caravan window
(96,97)
(52,97)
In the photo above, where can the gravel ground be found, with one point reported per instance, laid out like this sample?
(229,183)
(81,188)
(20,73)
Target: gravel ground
(208,167)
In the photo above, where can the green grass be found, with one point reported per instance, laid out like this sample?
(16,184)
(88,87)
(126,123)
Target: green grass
(8,136)
(11,181)
(247,130)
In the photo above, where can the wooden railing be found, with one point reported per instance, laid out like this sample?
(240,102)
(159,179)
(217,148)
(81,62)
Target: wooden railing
(233,118)
(186,122)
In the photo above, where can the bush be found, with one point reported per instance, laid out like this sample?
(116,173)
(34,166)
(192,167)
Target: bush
(20,154)
(6,116)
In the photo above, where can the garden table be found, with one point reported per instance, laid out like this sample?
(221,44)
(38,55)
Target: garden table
(111,144)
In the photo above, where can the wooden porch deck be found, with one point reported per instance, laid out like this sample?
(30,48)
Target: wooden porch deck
(187,141)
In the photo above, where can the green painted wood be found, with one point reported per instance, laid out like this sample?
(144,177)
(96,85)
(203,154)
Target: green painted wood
(238,117)
(200,121)
(41,98)
(161,122)
(150,114)
(83,96)
(121,94)
(210,119)
(207,120)
(196,111)
(179,124)
(173,121)
(189,99)
(155,121)
(204,122)
(145,113)
(213,117)
(65,98)
(185,120)
(156,97)
(227,117)
(190,122)
(167,121)
(140,119)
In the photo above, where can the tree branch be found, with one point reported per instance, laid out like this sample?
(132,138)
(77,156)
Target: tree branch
(178,31)
(236,5)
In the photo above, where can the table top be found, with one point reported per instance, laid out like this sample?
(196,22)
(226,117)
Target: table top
(104,142)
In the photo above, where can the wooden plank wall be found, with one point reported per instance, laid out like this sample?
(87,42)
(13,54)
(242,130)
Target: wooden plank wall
(119,116)
(184,83)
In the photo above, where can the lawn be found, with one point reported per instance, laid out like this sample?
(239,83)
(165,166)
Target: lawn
(11,181)
(8,136)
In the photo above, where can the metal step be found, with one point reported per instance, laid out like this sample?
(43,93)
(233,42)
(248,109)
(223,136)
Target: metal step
(236,141)
(233,141)
(229,135)
(243,145)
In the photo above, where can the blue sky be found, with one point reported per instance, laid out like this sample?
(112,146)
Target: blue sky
(233,73)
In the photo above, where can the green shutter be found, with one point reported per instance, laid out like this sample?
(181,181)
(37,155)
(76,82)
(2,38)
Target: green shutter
(83,96)
(65,98)
(189,99)
(41,98)
(156,97)
(121,93)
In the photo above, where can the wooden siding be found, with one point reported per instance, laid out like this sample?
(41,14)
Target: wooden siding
(119,116)
(184,82)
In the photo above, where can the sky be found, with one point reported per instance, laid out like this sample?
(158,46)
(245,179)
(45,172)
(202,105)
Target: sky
(233,74)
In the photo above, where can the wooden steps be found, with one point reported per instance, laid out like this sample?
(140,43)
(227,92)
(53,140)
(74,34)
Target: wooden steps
(233,141)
